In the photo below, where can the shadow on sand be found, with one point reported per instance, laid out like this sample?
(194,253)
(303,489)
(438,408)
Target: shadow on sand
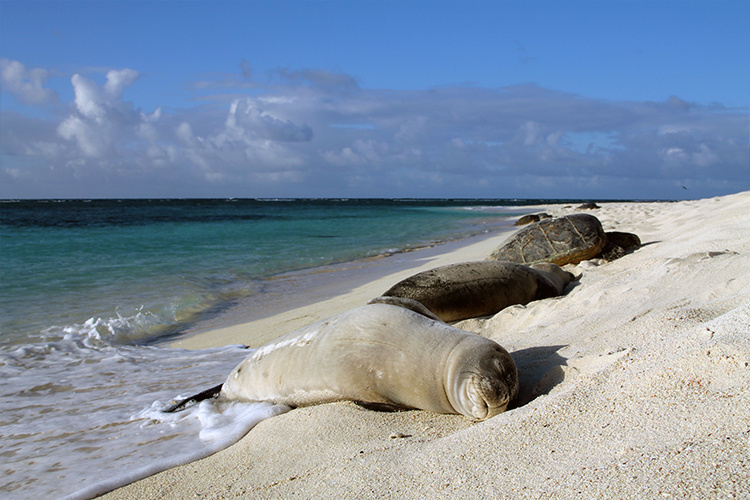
(539,371)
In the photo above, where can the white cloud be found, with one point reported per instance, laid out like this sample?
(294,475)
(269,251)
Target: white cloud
(288,140)
(93,140)
(118,80)
(705,157)
(94,101)
(103,122)
(89,99)
(184,133)
(361,152)
(247,122)
(26,85)
(676,155)
(530,131)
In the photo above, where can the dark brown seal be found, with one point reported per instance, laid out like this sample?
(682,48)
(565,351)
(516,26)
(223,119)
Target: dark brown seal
(481,288)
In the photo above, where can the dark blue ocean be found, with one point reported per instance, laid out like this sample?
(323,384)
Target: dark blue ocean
(90,288)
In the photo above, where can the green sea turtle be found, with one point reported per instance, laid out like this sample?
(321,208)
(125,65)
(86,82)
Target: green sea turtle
(563,240)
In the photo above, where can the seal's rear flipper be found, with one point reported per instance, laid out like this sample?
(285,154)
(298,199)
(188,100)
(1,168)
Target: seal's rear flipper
(176,406)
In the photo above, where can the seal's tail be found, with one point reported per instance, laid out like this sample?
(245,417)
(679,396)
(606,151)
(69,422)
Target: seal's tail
(175,406)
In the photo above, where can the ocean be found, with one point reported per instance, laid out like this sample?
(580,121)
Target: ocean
(93,290)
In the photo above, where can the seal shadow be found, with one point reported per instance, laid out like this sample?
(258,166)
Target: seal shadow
(540,369)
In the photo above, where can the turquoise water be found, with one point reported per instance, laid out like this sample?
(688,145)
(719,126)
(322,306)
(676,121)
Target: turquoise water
(89,288)
(151,267)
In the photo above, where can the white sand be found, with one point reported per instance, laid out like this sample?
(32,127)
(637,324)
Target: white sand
(635,384)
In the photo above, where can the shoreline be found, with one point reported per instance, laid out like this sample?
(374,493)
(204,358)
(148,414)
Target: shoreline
(633,384)
(303,297)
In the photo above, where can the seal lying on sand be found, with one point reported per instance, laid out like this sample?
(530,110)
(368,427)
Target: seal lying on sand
(383,355)
(480,288)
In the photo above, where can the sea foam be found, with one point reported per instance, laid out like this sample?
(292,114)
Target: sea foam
(78,408)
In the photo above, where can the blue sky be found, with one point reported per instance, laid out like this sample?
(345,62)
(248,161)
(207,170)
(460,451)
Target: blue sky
(607,99)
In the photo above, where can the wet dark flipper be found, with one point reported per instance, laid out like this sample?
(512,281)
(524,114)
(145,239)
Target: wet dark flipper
(384,407)
(175,406)
(407,303)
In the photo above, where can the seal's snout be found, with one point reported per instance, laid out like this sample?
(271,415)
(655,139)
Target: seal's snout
(491,386)
(489,396)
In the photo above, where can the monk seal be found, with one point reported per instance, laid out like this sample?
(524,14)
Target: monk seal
(383,355)
(481,288)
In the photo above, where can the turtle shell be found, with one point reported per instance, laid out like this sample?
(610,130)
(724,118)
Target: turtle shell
(562,240)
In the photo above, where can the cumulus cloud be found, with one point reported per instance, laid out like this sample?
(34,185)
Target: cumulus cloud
(102,121)
(118,80)
(26,85)
(317,133)
(247,122)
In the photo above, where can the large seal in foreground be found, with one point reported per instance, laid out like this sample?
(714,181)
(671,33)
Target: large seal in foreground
(384,355)
(481,288)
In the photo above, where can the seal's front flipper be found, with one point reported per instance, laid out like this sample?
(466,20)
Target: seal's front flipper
(384,407)
(406,303)
(175,406)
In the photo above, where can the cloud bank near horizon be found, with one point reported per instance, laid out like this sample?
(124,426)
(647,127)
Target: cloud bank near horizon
(291,133)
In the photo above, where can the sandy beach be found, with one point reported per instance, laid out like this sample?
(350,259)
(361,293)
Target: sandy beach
(634,384)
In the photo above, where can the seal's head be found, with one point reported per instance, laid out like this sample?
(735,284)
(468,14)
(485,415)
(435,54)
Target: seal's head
(483,379)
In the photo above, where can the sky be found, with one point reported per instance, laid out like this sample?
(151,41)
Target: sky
(608,99)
